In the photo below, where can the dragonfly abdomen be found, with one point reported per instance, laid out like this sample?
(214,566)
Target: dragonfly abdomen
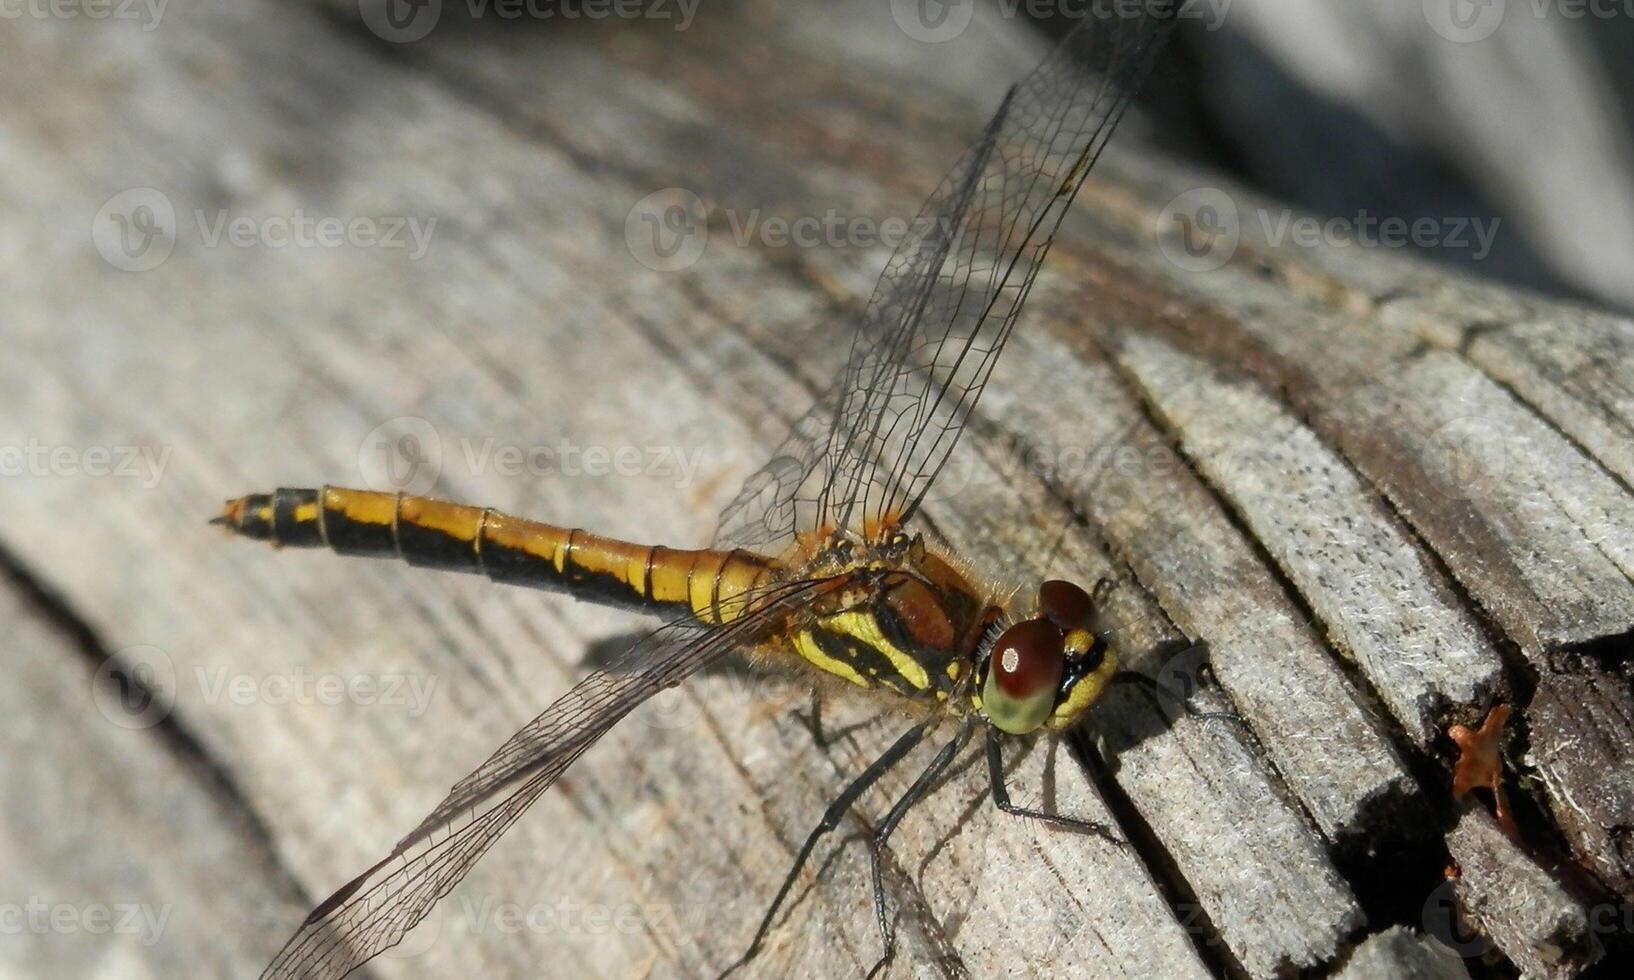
(457,537)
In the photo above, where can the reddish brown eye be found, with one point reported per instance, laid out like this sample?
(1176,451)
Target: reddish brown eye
(1023,676)
(1065,605)
(1027,658)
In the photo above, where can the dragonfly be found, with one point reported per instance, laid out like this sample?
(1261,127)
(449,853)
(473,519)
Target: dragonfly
(815,562)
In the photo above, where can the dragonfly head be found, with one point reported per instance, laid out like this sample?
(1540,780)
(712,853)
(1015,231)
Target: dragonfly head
(1045,672)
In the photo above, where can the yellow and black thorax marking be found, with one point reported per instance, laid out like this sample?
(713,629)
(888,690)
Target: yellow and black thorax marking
(709,585)
(912,631)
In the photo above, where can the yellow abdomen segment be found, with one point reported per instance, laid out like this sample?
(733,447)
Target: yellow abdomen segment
(711,585)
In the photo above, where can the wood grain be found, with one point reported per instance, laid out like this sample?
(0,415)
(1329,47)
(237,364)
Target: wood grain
(1399,953)
(1380,598)
(1197,438)
(1524,910)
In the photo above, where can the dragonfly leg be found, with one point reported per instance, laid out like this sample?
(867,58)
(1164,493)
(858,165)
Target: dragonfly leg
(831,819)
(1001,798)
(814,722)
(882,834)
(824,738)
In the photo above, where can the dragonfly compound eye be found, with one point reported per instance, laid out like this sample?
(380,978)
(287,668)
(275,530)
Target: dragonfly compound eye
(1064,604)
(1023,676)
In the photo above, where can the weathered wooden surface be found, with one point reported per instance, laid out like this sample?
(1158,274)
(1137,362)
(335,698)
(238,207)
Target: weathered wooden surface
(1398,954)
(1539,924)
(1263,457)
(119,850)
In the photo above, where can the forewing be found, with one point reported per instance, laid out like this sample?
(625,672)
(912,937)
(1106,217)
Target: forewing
(949,296)
(375,910)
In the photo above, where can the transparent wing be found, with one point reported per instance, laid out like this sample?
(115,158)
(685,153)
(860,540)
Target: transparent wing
(375,910)
(945,305)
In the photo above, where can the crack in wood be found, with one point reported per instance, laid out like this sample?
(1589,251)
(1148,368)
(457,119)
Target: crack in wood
(170,731)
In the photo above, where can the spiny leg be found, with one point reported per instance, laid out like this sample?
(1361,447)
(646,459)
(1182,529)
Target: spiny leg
(831,819)
(882,835)
(1001,798)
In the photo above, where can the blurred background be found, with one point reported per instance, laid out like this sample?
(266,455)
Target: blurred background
(1514,112)
(1504,123)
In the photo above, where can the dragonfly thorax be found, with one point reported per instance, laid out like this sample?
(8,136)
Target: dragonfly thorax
(901,619)
(1047,670)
